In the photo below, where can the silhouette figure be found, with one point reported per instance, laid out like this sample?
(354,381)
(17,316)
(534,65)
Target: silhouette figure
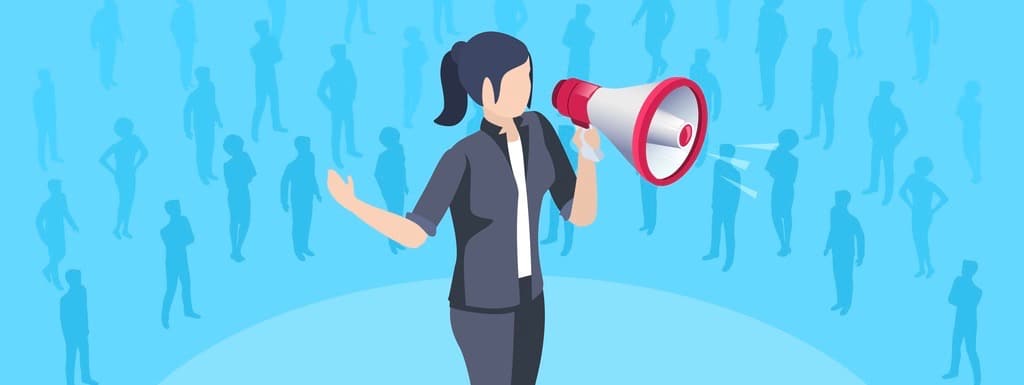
(104,35)
(782,166)
(725,200)
(965,295)
(565,135)
(722,11)
(918,193)
(337,92)
(882,122)
(299,187)
(74,322)
(44,108)
(201,113)
(414,57)
(363,18)
(579,38)
(390,175)
(969,111)
(824,76)
(128,153)
(443,10)
(177,236)
(265,55)
(845,239)
(923,29)
(238,174)
(510,15)
(771,37)
(50,226)
(649,206)
(183,27)
(658,18)
(851,16)
(700,73)
(278,8)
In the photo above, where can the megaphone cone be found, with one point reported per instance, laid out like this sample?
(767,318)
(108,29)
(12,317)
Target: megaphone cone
(658,127)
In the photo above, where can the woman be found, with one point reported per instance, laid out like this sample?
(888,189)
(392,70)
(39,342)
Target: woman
(128,153)
(493,182)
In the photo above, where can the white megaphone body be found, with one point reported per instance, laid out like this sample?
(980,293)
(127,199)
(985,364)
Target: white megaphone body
(659,127)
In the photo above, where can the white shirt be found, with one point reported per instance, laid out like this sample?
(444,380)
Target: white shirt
(524,255)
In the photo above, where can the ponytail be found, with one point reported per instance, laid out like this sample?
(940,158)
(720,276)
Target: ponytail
(453,90)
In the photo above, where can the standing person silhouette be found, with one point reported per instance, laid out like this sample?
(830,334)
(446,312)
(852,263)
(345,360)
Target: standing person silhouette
(105,33)
(337,92)
(278,9)
(782,166)
(177,236)
(918,192)
(443,10)
(923,29)
(201,113)
(771,38)
(364,18)
(50,227)
(969,111)
(700,73)
(725,201)
(649,206)
(851,17)
(722,11)
(565,134)
(414,57)
(299,187)
(510,15)
(824,77)
(883,120)
(129,153)
(265,55)
(238,174)
(44,109)
(965,295)
(390,176)
(492,182)
(183,28)
(845,240)
(578,37)
(74,322)
(658,18)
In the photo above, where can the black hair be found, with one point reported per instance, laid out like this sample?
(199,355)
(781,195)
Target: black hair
(464,67)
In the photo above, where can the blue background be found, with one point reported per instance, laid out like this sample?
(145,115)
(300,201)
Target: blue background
(898,331)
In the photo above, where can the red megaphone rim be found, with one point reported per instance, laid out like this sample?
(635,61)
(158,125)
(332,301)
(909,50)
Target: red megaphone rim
(643,124)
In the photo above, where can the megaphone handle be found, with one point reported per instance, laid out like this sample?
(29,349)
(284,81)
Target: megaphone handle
(589,153)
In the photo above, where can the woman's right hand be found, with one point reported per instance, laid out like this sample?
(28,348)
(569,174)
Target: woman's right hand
(343,192)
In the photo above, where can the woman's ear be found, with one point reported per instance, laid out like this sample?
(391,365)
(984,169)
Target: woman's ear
(487,94)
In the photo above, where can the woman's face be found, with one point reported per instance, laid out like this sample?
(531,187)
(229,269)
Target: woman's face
(516,87)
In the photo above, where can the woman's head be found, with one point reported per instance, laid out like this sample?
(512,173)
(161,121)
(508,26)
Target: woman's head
(493,69)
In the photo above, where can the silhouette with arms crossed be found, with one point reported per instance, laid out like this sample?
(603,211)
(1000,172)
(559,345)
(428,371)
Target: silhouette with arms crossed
(782,166)
(918,192)
(965,295)
(414,57)
(183,27)
(364,17)
(299,187)
(824,76)
(851,17)
(265,55)
(771,37)
(50,226)
(44,108)
(443,10)
(969,111)
(882,122)
(201,114)
(565,134)
(74,321)
(578,37)
(177,236)
(390,176)
(725,200)
(845,240)
(510,15)
(105,34)
(658,18)
(238,174)
(923,30)
(128,153)
(337,92)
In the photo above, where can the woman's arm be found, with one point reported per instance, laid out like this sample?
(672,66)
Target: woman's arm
(393,226)
(584,206)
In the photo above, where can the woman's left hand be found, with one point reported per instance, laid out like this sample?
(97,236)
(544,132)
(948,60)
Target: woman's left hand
(589,135)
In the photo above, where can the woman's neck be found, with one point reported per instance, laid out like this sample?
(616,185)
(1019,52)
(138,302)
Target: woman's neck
(508,125)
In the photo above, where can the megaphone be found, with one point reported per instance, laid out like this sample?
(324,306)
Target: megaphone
(659,127)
